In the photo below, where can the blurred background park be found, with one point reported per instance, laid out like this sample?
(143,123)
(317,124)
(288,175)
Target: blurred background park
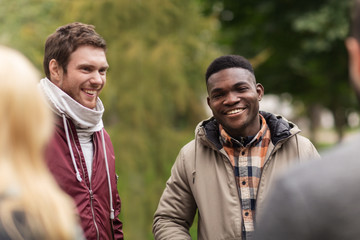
(158,51)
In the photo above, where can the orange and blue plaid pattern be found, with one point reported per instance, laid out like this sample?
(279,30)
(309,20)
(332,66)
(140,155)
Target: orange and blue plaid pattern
(248,162)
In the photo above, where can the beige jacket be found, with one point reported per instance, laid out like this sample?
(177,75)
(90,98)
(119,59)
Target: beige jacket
(202,178)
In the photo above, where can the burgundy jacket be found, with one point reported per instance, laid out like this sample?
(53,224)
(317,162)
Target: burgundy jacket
(92,199)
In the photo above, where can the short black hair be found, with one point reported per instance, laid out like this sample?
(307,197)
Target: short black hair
(228,61)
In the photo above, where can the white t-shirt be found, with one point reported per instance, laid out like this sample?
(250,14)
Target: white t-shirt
(87,147)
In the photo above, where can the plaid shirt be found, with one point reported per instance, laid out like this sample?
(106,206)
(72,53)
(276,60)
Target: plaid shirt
(248,162)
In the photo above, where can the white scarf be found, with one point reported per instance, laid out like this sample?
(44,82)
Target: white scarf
(85,119)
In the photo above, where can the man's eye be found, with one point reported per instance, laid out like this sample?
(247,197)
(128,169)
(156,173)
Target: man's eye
(242,89)
(216,96)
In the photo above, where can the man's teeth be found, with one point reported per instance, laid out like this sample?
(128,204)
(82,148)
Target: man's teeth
(234,111)
(90,91)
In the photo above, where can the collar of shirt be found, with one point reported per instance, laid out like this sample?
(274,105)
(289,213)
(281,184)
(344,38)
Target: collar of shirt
(227,140)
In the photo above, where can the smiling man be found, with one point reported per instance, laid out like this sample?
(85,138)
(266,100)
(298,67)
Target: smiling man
(80,154)
(226,171)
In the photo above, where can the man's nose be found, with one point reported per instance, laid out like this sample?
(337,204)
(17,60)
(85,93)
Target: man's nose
(97,78)
(231,99)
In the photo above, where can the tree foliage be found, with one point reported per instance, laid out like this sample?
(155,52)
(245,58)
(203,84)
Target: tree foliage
(157,51)
(297,47)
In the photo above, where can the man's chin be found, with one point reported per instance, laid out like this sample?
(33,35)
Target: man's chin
(232,130)
(89,105)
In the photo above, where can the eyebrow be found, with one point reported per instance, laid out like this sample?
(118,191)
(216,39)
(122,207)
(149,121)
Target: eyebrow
(238,84)
(92,66)
(216,90)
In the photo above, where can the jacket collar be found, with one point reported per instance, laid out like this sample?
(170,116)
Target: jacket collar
(280,128)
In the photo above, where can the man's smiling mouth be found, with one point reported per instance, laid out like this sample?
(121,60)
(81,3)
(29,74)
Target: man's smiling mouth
(235,111)
(91,92)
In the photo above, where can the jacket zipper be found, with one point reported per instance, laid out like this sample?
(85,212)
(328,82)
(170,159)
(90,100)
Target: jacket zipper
(92,197)
(93,213)
(89,188)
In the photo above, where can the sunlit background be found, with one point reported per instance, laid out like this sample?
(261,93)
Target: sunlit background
(158,51)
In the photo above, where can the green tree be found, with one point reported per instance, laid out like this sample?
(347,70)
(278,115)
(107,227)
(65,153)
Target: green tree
(154,96)
(297,47)
(25,25)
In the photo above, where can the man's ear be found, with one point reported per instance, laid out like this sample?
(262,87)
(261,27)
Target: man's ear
(260,91)
(56,72)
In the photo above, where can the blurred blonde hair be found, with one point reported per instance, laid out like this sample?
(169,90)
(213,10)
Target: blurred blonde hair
(26,186)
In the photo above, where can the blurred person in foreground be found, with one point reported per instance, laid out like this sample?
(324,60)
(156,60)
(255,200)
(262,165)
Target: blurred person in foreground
(226,171)
(320,200)
(32,206)
(80,154)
